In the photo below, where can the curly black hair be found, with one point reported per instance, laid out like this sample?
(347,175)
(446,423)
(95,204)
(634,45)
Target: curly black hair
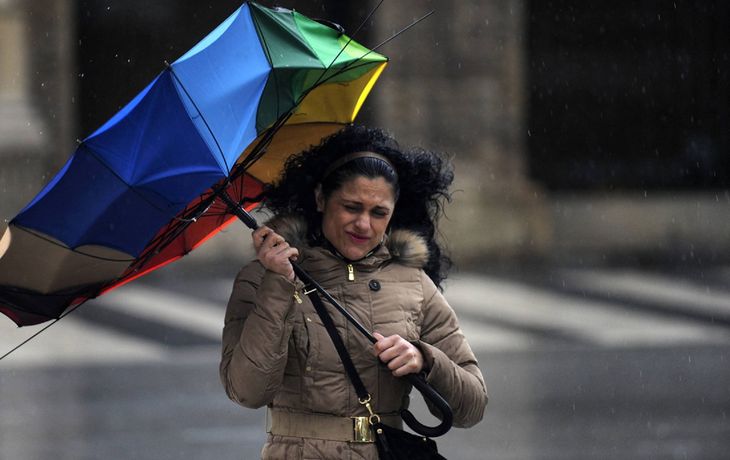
(421,182)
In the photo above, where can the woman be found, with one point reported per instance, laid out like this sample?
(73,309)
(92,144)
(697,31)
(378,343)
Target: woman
(359,214)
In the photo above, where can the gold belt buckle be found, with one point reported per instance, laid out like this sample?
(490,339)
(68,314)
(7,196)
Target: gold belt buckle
(361,429)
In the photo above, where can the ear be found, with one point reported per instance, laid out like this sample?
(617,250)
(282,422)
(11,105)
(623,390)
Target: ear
(319,197)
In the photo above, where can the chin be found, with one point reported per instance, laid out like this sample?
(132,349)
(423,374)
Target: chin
(354,253)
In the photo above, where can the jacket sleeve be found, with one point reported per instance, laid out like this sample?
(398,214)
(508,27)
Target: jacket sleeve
(452,367)
(258,323)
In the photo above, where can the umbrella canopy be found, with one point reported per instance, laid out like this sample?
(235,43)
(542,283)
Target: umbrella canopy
(141,190)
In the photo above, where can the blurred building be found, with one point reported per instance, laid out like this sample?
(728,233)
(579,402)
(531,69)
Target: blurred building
(581,131)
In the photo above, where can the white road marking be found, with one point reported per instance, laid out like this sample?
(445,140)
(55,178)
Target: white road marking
(661,290)
(182,311)
(71,341)
(488,338)
(600,323)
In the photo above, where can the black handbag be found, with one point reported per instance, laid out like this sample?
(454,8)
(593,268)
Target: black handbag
(395,444)
(392,443)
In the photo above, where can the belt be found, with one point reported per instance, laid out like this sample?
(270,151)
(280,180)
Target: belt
(323,426)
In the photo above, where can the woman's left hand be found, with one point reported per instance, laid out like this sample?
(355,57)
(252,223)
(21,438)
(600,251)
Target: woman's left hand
(401,356)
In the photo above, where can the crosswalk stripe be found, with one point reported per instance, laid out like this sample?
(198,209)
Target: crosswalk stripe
(197,315)
(487,338)
(597,322)
(72,341)
(670,292)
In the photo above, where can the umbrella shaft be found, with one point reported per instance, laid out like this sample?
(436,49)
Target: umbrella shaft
(309,281)
(236,209)
(306,278)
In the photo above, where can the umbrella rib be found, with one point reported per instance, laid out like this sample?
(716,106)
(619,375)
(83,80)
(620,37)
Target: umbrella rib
(356,62)
(267,51)
(202,117)
(176,229)
(39,332)
(123,181)
(388,40)
(45,238)
(350,38)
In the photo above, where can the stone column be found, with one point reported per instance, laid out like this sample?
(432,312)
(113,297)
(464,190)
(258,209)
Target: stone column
(456,83)
(35,98)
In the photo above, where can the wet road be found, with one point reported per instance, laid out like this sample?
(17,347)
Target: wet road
(580,365)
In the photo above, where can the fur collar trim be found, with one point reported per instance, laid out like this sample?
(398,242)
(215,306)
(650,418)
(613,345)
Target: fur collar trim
(405,246)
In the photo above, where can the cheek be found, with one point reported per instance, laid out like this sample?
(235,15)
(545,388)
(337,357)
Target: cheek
(381,226)
(332,224)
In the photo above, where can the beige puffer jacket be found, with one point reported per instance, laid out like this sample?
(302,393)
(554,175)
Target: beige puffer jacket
(276,351)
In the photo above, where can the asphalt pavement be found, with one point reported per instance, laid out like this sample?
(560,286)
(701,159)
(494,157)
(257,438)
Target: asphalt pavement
(581,363)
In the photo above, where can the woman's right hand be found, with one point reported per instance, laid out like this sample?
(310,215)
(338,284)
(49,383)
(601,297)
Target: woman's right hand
(274,252)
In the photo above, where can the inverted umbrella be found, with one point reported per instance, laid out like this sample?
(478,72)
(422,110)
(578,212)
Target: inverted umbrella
(141,190)
(176,164)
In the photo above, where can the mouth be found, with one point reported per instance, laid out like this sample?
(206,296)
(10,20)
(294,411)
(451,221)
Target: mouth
(358,239)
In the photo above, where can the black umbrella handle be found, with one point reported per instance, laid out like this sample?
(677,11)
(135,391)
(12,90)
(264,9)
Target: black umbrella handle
(430,394)
(419,383)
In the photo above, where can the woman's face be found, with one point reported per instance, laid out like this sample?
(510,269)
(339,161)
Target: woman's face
(355,216)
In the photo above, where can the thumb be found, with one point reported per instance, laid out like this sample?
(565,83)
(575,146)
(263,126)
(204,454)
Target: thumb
(378,336)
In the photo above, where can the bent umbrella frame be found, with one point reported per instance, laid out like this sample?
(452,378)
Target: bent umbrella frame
(155,209)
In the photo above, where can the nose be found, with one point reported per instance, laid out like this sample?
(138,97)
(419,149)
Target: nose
(362,223)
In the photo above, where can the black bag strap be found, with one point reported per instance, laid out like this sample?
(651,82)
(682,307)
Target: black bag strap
(418,381)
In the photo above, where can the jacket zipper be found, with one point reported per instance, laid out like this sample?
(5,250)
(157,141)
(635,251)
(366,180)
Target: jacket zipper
(350,272)
(297,298)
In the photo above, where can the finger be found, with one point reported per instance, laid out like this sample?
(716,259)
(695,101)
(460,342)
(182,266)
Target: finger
(410,368)
(259,236)
(272,245)
(271,240)
(384,343)
(392,353)
(280,248)
(283,257)
(402,360)
(389,345)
